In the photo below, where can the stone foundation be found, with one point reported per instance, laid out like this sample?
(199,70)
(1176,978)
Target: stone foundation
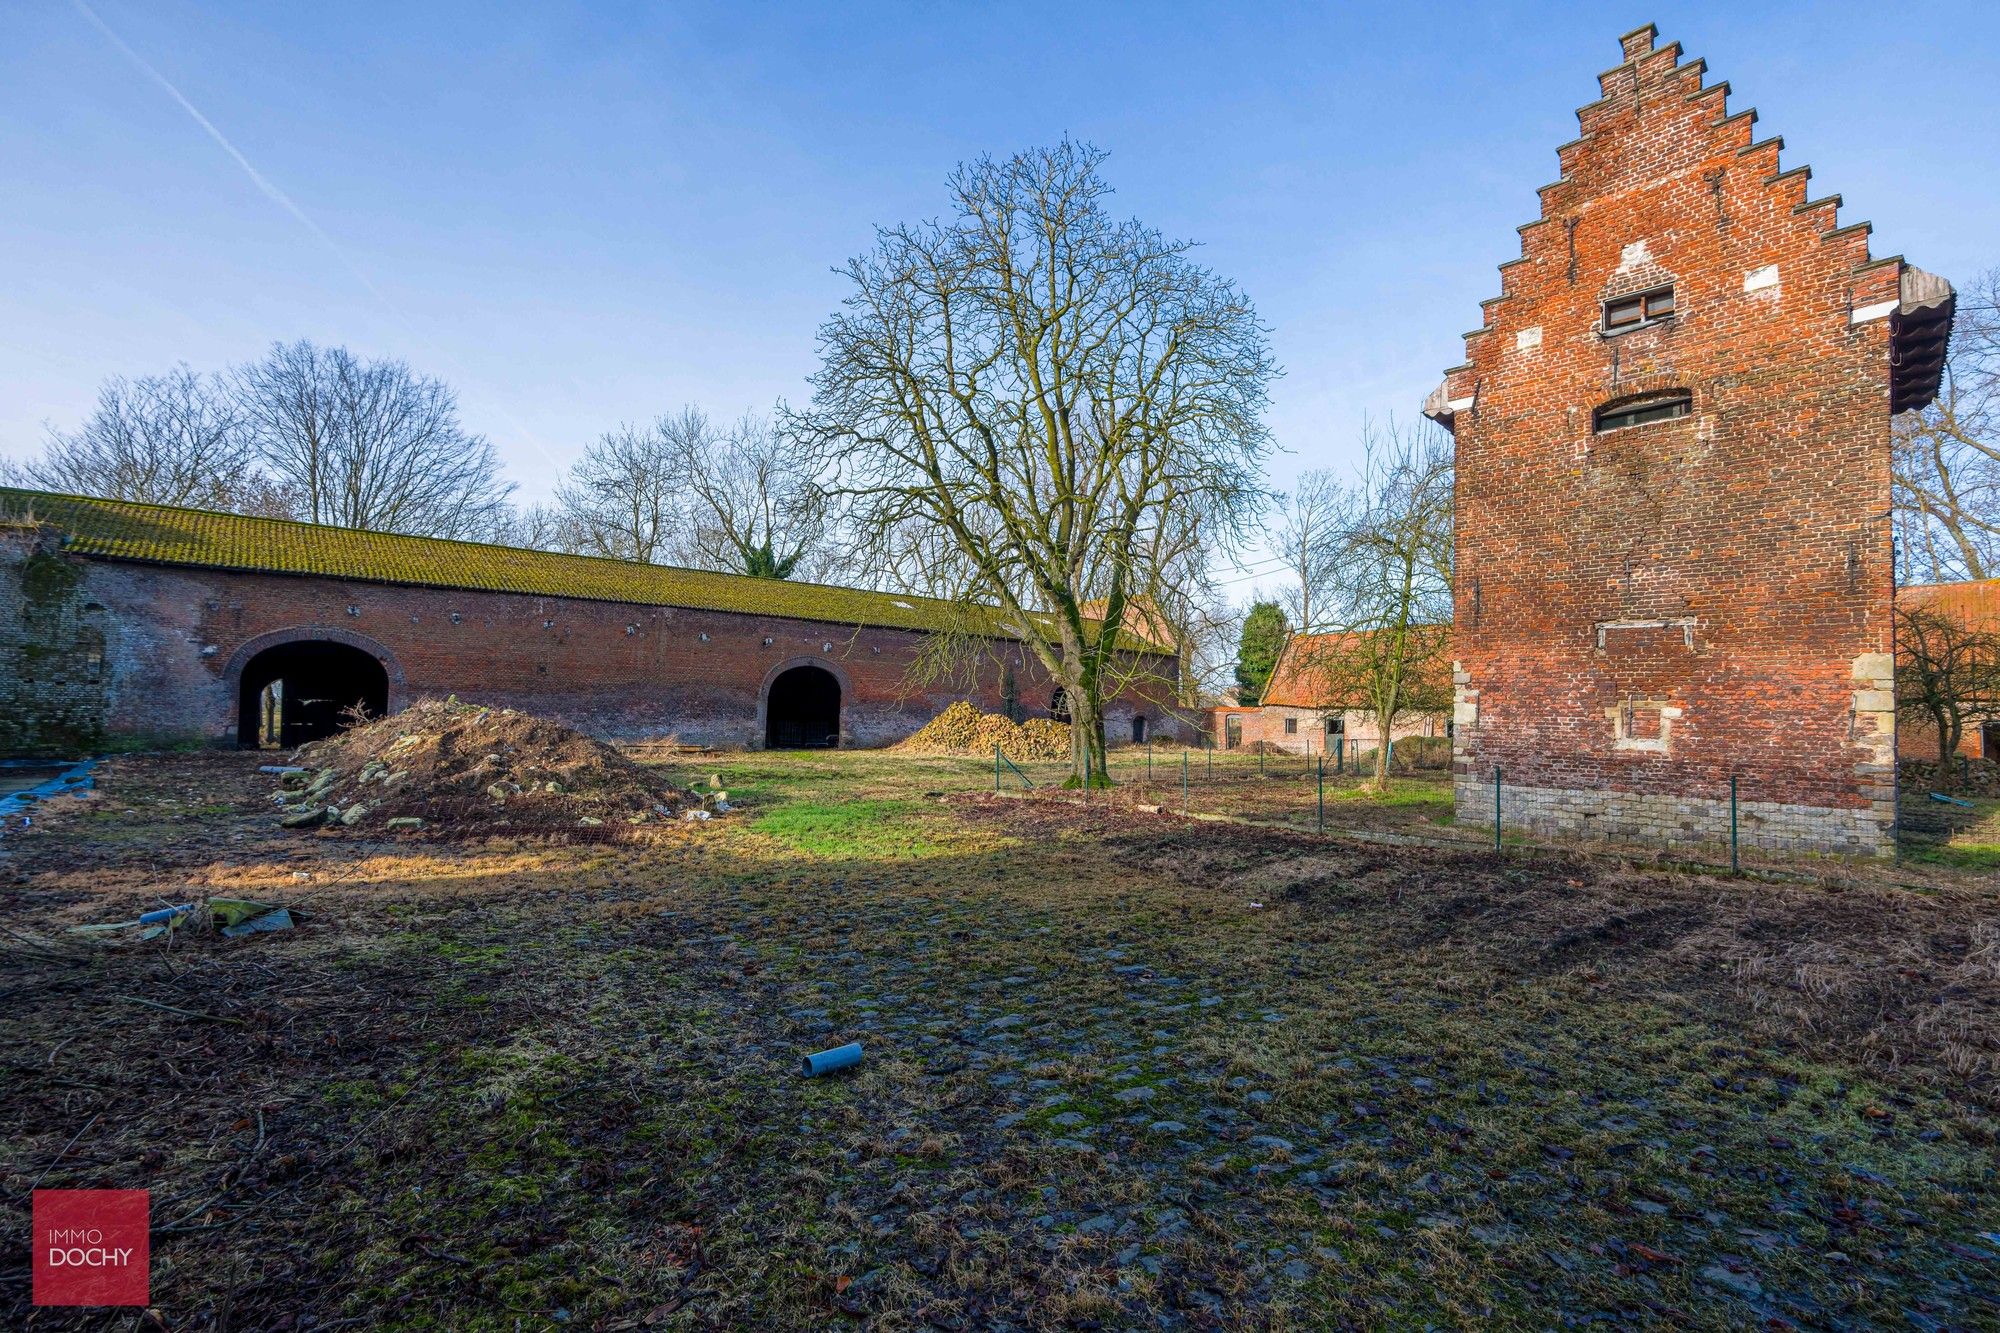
(1640,819)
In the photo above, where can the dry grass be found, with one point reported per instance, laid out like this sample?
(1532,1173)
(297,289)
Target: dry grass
(497,1085)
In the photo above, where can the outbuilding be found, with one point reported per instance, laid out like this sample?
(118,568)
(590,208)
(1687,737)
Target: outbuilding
(128,623)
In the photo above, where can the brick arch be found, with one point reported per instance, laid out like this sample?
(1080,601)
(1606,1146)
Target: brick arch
(232,672)
(812,660)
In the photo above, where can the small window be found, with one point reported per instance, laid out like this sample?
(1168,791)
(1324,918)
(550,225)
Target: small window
(1291,726)
(1617,416)
(1336,726)
(1059,704)
(1639,310)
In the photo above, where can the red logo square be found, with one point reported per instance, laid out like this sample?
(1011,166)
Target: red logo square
(92,1247)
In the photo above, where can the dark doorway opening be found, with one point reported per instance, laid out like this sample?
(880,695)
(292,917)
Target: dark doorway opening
(803,712)
(1232,732)
(303,691)
(1138,731)
(1989,741)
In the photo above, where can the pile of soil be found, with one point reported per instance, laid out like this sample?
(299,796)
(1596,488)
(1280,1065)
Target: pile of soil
(459,770)
(963,729)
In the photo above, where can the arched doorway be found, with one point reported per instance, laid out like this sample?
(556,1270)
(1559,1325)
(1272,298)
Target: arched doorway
(301,691)
(802,710)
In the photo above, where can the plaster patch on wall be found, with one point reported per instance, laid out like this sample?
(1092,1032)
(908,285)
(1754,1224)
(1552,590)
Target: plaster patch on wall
(1528,339)
(1633,255)
(1763,279)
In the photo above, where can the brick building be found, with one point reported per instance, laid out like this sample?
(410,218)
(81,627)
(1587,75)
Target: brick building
(1307,707)
(1674,559)
(143,623)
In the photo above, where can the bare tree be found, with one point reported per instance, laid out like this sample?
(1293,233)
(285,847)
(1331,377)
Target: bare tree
(626,497)
(369,444)
(1390,583)
(1046,386)
(681,491)
(170,439)
(1947,676)
(913,556)
(758,506)
(1180,606)
(1306,535)
(1947,456)
(539,527)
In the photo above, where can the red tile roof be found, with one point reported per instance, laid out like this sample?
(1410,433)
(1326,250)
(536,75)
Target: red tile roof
(1976,602)
(1307,674)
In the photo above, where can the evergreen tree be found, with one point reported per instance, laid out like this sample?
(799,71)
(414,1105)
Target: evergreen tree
(1264,631)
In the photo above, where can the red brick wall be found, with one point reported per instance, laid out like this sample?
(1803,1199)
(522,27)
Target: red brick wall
(178,639)
(1762,517)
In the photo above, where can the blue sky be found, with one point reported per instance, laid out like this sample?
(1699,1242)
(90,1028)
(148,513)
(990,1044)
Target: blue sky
(585,214)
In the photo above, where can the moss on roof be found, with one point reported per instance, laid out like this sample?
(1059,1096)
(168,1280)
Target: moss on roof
(163,534)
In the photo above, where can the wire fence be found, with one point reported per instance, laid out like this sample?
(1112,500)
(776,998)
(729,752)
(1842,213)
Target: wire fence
(1419,800)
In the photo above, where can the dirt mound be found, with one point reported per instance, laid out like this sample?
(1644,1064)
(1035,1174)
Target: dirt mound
(450,769)
(963,729)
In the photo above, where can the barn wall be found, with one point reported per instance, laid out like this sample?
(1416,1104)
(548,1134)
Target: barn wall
(53,671)
(176,638)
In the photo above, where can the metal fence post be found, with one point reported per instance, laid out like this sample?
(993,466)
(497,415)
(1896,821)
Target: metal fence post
(1322,792)
(1340,753)
(1184,782)
(1735,868)
(1260,759)
(1496,807)
(1149,761)
(996,769)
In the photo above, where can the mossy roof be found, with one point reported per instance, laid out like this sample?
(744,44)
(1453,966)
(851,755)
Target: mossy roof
(166,535)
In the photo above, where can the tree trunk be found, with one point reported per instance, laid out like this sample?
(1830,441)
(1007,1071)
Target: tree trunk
(1950,731)
(1088,766)
(1383,729)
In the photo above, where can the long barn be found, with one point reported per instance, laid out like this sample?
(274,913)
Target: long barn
(127,623)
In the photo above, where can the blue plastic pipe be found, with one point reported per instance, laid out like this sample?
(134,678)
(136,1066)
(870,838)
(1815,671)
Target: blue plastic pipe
(164,914)
(826,1062)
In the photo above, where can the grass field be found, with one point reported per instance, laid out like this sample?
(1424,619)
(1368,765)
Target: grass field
(1122,1070)
(1972,845)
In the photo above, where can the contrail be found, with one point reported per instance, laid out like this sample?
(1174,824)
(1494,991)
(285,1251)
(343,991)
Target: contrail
(270,191)
(284,201)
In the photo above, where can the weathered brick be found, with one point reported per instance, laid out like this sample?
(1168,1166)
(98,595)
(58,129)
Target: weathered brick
(1735,563)
(137,652)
